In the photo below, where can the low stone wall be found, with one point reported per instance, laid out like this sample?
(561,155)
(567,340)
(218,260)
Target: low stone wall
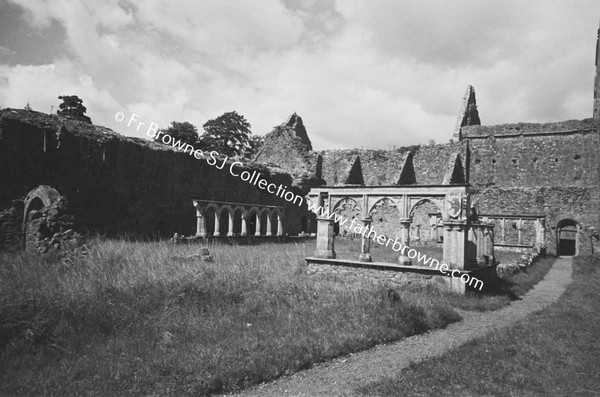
(506,269)
(389,278)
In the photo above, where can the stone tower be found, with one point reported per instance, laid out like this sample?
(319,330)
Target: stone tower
(597,80)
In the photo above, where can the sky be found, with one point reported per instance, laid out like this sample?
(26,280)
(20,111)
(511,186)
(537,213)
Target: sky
(373,74)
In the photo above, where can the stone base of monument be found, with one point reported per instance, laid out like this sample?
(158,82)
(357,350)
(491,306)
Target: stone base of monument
(401,274)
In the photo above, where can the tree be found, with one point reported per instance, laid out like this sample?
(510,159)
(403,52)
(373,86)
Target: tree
(228,134)
(185,132)
(72,107)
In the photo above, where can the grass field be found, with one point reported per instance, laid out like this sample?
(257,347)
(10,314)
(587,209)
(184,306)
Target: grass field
(553,353)
(131,319)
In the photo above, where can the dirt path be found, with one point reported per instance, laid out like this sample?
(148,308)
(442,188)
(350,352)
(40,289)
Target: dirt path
(341,376)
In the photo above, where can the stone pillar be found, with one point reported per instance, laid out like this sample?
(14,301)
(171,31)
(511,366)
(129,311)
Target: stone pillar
(325,237)
(200,222)
(503,235)
(244,225)
(365,243)
(405,240)
(488,252)
(257,231)
(217,225)
(455,241)
(269,231)
(520,232)
(540,236)
(279,225)
(230,229)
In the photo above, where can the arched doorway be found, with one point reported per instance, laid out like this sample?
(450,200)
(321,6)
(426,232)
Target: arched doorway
(567,243)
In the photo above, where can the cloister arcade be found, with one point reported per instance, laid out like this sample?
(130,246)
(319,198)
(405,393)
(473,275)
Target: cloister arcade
(221,218)
(444,211)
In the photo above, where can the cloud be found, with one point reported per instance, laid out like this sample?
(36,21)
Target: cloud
(361,74)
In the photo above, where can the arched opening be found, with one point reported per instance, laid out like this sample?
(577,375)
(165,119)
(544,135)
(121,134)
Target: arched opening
(424,225)
(304,224)
(35,205)
(224,222)
(385,217)
(263,223)
(209,216)
(251,223)
(237,222)
(32,213)
(567,243)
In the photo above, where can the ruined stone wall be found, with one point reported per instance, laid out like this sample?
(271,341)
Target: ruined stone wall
(539,169)
(383,167)
(119,184)
(536,160)
(580,204)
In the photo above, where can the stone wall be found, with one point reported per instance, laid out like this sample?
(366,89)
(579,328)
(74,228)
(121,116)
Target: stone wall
(11,227)
(383,167)
(117,184)
(536,160)
(539,169)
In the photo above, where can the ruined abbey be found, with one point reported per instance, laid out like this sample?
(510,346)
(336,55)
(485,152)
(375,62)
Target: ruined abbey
(538,184)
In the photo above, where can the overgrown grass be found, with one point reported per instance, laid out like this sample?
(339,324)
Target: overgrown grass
(554,352)
(130,319)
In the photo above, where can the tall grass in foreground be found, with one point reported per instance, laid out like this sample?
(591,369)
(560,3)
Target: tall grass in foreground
(554,352)
(130,319)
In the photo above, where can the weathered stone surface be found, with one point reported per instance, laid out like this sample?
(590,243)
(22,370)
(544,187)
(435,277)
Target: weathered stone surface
(11,227)
(119,184)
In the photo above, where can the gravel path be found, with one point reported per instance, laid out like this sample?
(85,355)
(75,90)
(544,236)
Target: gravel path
(341,376)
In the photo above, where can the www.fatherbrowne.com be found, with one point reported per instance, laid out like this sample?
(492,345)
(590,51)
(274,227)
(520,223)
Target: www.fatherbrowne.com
(281,191)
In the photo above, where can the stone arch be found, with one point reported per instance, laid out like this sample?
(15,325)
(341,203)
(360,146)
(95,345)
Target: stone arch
(224,216)
(238,213)
(385,217)
(376,202)
(210,212)
(265,220)
(252,219)
(423,227)
(276,222)
(567,241)
(45,194)
(348,208)
(528,232)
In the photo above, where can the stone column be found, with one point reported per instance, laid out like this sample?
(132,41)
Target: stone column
(455,241)
(540,236)
(489,244)
(279,226)
(365,242)
(244,225)
(257,231)
(200,222)
(230,229)
(520,232)
(269,231)
(217,225)
(503,235)
(405,240)
(325,237)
